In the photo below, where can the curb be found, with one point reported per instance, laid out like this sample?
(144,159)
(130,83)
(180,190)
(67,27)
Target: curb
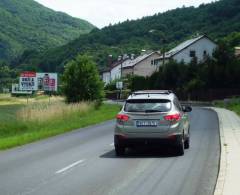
(229,169)
(223,159)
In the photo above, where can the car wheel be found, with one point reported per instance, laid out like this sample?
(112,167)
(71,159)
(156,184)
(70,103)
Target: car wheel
(180,147)
(187,143)
(119,150)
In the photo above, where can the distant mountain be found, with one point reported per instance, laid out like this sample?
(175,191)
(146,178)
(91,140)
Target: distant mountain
(163,30)
(27,25)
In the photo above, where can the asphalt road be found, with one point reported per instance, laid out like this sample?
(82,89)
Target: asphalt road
(83,163)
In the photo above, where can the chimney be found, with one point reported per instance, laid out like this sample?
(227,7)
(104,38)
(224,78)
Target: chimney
(125,56)
(132,56)
(119,58)
(143,51)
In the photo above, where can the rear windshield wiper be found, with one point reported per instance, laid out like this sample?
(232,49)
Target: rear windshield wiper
(149,111)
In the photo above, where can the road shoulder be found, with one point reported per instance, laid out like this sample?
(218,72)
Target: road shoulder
(229,170)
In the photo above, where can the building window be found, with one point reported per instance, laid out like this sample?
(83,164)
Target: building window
(204,53)
(192,54)
(154,62)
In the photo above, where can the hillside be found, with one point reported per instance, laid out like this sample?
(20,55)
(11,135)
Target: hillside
(163,30)
(25,24)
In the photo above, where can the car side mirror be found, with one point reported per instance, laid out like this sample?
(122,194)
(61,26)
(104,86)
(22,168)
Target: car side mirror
(187,109)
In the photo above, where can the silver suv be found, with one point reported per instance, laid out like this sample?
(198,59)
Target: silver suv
(152,117)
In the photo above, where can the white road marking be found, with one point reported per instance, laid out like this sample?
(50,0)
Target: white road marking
(70,166)
(112,144)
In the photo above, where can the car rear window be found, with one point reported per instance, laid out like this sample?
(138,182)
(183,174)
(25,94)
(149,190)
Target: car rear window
(148,105)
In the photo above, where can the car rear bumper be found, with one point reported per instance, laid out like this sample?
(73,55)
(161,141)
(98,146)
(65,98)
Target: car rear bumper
(125,141)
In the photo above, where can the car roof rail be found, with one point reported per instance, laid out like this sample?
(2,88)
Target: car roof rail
(162,92)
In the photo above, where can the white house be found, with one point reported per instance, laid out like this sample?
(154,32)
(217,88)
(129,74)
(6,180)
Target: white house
(146,64)
(106,76)
(237,52)
(143,65)
(114,71)
(198,48)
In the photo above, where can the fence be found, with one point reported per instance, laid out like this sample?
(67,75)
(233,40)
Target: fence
(199,95)
(208,94)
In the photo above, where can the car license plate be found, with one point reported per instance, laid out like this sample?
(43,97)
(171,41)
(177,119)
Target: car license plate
(148,123)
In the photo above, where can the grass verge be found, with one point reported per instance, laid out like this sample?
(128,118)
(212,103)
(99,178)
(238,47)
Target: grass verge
(230,104)
(21,124)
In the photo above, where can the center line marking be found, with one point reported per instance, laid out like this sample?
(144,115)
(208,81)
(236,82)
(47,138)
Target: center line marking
(70,166)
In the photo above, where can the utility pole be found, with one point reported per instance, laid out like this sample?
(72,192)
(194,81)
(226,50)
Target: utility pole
(163,56)
(110,66)
(121,68)
(164,50)
(121,71)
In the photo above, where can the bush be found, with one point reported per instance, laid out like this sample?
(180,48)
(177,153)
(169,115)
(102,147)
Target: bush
(115,94)
(81,81)
(137,83)
(111,86)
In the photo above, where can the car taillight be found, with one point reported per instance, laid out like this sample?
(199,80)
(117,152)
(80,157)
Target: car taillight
(122,117)
(173,117)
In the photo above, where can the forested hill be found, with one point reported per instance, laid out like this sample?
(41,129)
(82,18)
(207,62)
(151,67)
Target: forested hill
(25,24)
(217,20)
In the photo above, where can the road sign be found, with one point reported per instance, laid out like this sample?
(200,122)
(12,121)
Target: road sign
(119,85)
(28,81)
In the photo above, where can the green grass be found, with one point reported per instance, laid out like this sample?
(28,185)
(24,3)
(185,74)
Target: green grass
(16,132)
(231,104)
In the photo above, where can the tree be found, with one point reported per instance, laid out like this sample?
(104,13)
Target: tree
(7,76)
(163,30)
(81,81)
(137,83)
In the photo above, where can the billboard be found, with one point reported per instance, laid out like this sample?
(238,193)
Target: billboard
(47,81)
(32,81)
(28,81)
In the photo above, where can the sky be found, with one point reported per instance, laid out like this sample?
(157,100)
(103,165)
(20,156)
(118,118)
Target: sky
(104,12)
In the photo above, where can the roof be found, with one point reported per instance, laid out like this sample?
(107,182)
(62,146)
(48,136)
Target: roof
(152,94)
(113,65)
(183,46)
(128,63)
(137,60)
(238,48)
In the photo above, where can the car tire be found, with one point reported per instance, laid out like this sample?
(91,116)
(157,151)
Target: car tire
(187,143)
(180,147)
(119,150)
